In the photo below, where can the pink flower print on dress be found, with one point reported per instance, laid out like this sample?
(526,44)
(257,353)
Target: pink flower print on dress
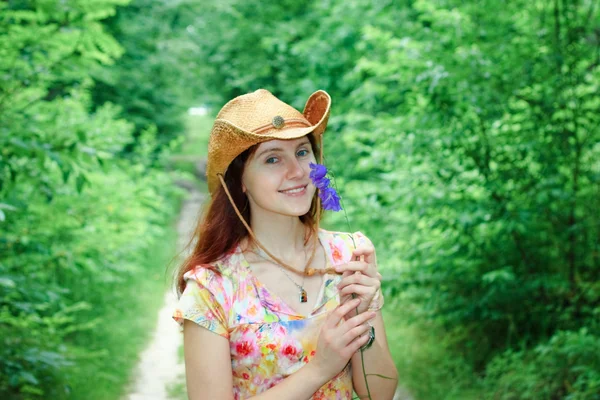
(339,251)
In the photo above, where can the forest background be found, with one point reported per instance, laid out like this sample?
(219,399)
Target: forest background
(464,138)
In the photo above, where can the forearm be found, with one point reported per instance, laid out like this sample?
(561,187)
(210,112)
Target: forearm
(300,385)
(377,361)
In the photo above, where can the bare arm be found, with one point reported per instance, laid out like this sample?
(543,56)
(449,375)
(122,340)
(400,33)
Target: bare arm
(207,363)
(361,279)
(378,360)
(208,359)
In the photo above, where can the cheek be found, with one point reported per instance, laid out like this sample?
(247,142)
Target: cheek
(257,181)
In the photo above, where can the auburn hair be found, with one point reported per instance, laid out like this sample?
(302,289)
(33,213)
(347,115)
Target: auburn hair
(219,230)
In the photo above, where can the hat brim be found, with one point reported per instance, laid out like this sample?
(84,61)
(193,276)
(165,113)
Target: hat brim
(227,140)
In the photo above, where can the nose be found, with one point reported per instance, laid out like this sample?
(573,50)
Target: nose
(295,170)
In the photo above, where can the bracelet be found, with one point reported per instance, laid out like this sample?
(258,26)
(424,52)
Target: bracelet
(370,341)
(375,304)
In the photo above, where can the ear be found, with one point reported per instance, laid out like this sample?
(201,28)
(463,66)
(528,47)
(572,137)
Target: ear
(243,188)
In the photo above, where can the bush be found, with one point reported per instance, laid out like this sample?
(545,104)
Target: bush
(566,367)
(80,224)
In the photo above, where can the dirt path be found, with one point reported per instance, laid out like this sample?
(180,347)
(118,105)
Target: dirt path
(159,365)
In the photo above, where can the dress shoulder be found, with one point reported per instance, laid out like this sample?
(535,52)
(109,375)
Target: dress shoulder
(208,296)
(341,244)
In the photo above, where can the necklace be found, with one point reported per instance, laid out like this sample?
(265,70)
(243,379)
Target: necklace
(302,292)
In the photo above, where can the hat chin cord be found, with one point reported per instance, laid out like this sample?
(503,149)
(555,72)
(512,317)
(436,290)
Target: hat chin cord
(307,271)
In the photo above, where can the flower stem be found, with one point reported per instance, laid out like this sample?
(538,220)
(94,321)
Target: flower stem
(362,356)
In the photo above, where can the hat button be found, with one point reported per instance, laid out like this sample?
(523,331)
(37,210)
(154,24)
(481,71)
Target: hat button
(278,121)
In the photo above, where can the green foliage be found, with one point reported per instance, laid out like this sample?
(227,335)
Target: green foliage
(154,81)
(79,223)
(468,130)
(565,367)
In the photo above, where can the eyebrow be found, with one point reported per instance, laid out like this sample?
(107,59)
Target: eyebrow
(274,149)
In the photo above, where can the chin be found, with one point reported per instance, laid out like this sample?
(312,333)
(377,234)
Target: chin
(297,212)
(291,208)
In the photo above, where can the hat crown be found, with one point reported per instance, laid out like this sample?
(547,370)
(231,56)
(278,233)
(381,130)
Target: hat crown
(256,110)
(257,117)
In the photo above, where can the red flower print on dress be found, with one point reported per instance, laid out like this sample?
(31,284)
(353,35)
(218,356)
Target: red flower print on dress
(244,348)
(289,351)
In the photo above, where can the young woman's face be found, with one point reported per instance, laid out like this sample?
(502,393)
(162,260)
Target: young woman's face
(276,177)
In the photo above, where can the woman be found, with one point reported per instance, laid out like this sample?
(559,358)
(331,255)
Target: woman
(271,306)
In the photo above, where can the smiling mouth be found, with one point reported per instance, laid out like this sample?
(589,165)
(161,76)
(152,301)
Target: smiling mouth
(295,190)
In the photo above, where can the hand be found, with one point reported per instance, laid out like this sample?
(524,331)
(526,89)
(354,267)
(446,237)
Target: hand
(340,338)
(360,278)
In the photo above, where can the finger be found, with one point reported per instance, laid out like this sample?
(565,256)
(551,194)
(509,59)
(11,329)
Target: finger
(357,320)
(344,299)
(368,252)
(359,342)
(364,291)
(354,333)
(354,266)
(338,314)
(356,278)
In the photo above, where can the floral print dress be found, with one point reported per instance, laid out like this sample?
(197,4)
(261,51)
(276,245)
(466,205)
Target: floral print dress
(268,340)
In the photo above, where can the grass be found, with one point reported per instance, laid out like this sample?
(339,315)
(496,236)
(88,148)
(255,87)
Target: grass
(127,325)
(426,366)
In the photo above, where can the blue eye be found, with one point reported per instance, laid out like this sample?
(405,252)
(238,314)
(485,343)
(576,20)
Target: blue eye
(302,153)
(271,160)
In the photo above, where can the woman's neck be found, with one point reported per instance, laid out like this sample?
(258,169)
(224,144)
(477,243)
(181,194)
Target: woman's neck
(282,235)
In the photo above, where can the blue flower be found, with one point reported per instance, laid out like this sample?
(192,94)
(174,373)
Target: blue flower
(317,171)
(329,197)
(322,183)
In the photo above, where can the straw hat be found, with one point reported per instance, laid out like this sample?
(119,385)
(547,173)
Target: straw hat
(258,117)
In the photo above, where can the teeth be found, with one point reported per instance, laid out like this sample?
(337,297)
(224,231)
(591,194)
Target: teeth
(294,190)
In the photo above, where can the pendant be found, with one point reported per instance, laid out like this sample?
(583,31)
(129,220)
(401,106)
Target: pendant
(303,295)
